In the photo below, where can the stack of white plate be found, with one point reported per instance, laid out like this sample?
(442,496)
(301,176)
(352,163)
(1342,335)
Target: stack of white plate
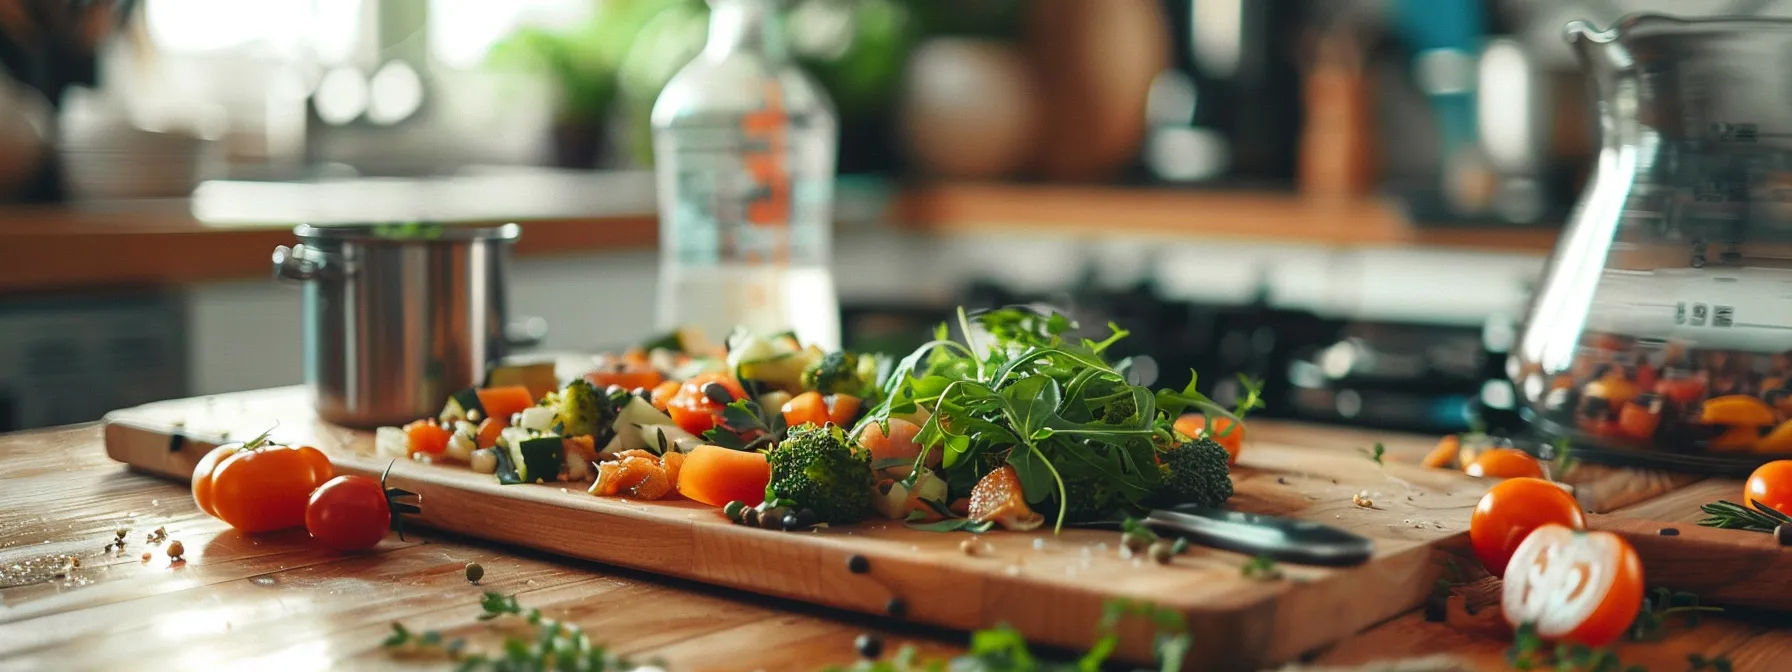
(104,156)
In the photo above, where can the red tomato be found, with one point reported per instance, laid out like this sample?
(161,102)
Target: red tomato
(1504,463)
(349,513)
(202,475)
(1229,434)
(693,411)
(1770,485)
(807,408)
(1574,586)
(1510,511)
(1637,422)
(265,488)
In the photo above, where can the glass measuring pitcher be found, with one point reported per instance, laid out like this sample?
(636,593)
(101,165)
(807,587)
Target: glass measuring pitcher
(1662,332)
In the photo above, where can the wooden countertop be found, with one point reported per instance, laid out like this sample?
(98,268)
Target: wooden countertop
(240,602)
(227,230)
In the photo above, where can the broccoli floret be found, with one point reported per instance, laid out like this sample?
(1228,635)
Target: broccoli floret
(1120,410)
(820,469)
(838,373)
(1194,473)
(580,409)
(1089,499)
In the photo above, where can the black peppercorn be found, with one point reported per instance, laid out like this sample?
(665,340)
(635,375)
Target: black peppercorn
(718,394)
(857,564)
(1783,534)
(1669,532)
(773,518)
(869,645)
(897,607)
(749,517)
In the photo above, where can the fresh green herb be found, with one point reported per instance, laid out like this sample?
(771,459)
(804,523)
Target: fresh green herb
(1661,603)
(746,426)
(1004,649)
(1022,393)
(1261,568)
(1698,662)
(1377,452)
(947,525)
(1732,516)
(1561,457)
(557,645)
(1528,652)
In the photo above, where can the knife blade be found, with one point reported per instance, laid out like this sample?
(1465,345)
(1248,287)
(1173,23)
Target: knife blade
(1281,539)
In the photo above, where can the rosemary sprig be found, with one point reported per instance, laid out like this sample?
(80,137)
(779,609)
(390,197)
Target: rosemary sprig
(558,645)
(1728,515)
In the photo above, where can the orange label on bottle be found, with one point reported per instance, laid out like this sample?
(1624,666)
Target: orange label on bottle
(764,155)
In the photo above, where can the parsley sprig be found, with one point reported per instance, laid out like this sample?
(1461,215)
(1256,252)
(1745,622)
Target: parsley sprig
(1004,648)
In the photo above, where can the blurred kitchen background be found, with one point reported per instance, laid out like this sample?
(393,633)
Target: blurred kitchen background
(1347,198)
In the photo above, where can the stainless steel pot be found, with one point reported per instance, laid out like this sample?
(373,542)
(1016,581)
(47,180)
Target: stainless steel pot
(397,317)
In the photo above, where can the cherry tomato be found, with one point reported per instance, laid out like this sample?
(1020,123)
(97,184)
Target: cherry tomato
(348,513)
(693,411)
(202,475)
(1638,422)
(1770,485)
(1504,463)
(1574,586)
(807,408)
(1229,434)
(1510,511)
(265,488)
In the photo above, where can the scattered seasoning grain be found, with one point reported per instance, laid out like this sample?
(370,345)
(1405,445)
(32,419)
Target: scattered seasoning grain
(475,572)
(74,561)
(176,550)
(1783,534)
(968,547)
(120,532)
(108,548)
(1161,553)
(869,645)
(1669,531)
(897,607)
(1283,480)
(1360,500)
(857,564)
(146,557)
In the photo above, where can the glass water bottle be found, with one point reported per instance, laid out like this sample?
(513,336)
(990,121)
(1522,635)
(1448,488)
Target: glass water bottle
(743,144)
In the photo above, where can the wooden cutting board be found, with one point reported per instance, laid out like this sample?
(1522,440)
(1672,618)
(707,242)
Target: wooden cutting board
(1052,588)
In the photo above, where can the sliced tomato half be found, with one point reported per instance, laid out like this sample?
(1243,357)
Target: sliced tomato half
(1573,586)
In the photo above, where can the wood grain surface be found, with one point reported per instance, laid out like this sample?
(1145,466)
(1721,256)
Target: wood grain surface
(278,602)
(1050,587)
(274,601)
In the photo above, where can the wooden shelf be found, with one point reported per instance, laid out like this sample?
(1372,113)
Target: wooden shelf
(164,243)
(53,248)
(1107,211)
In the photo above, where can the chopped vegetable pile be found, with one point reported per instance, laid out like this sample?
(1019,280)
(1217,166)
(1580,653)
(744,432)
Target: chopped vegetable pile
(1017,424)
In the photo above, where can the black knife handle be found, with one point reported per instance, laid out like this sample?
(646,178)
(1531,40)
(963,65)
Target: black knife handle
(1279,539)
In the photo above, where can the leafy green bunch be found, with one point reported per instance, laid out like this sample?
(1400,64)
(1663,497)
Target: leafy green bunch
(1022,393)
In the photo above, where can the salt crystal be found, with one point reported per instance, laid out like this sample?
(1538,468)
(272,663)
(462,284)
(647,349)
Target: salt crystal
(1039,544)
(1011,570)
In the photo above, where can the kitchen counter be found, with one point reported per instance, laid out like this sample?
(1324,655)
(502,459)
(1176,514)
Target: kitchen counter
(241,602)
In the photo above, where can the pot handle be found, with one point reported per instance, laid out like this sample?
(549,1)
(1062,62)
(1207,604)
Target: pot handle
(526,332)
(295,263)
